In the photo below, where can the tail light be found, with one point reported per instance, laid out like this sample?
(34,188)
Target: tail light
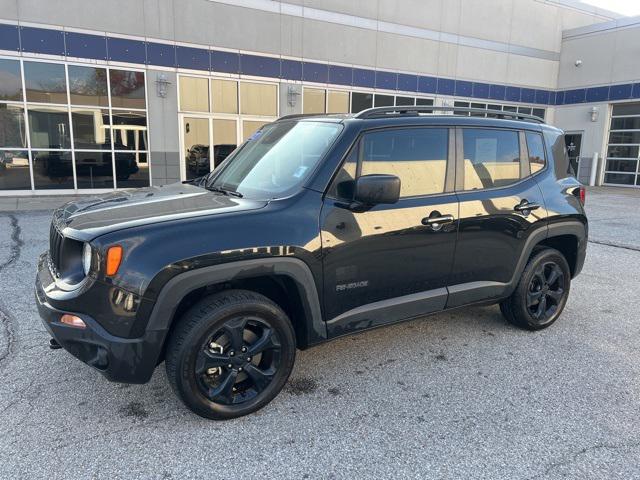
(583,194)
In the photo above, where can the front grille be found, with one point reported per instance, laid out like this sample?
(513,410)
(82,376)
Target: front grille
(55,249)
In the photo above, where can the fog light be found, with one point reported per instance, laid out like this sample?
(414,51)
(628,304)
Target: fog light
(72,321)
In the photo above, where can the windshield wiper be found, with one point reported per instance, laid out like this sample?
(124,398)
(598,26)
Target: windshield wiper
(213,188)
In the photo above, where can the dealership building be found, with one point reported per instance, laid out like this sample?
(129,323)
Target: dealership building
(99,95)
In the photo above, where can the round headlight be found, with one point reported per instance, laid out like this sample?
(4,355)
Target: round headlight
(86,258)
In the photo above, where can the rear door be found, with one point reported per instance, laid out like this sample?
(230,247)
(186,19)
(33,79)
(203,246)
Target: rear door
(390,262)
(501,207)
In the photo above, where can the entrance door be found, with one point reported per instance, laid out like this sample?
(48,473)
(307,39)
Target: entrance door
(573,141)
(196,135)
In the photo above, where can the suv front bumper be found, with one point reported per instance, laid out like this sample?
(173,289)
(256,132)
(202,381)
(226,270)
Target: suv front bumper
(126,360)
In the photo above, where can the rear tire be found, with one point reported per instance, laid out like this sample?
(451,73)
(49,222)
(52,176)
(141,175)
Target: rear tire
(230,354)
(542,291)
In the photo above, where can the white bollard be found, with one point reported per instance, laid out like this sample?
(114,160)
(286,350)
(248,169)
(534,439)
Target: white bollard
(594,169)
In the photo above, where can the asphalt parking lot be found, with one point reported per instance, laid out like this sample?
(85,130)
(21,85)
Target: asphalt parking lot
(455,395)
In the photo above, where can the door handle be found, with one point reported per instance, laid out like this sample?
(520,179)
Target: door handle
(525,206)
(436,220)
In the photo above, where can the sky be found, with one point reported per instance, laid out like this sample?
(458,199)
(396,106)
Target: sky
(625,7)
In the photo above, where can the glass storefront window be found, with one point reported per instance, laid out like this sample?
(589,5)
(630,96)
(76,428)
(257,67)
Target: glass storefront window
(338,102)
(14,170)
(88,86)
(73,128)
(45,82)
(194,94)
(49,127)
(132,169)
(91,128)
(52,170)
(224,140)
(127,89)
(94,169)
(129,130)
(224,96)
(10,80)
(361,101)
(12,129)
(249,127)
(259,99)
(313,100)
(383,100)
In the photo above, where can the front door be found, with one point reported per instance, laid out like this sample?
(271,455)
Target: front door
(501,207)
(390,262)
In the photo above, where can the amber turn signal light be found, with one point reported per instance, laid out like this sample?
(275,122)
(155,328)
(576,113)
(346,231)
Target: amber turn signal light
(72,321)
(114,258)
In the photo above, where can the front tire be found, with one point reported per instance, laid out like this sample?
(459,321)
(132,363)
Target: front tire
(230,354)
(542,292)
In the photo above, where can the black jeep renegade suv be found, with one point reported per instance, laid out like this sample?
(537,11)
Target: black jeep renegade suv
(316,227)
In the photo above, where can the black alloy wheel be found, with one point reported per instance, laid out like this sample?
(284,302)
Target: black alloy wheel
(238,361)
(546,291)
(541,293)
(230,354)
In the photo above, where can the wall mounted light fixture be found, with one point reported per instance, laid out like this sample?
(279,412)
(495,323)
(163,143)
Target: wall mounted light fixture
(162,85)
(594,112)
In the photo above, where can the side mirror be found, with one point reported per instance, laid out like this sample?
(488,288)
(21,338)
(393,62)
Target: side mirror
(377,189)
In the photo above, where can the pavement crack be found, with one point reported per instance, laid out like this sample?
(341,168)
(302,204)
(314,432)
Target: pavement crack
(616,245)
(574,456)
(7,325)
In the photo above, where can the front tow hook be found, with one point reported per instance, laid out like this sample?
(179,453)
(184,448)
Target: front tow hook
(54,345)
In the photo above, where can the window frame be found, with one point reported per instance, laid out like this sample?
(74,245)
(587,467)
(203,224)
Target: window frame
(356,146)
(525,169)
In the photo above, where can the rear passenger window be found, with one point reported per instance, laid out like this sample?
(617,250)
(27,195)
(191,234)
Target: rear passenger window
(491,158)
(535,146)
(418,156)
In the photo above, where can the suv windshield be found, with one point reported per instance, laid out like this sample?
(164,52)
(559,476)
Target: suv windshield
(276,159)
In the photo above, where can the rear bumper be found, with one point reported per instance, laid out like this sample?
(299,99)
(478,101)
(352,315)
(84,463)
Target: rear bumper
(126,360)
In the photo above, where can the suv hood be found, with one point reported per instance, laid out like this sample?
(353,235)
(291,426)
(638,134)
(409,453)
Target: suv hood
(88,218)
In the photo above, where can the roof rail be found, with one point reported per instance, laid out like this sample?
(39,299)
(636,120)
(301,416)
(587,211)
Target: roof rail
(382,112)
(303,115)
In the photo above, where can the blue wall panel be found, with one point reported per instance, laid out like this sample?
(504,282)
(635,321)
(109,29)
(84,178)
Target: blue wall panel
(226,62)
(597,94)
(559,98)
(446,86)
(364,78)
(464,88)
(82,45)
(497,92)
(542,97)
(161,54)
(315,72)
(481,90)
(125,50)
(574,96)
(427,84)
(512,94)
(291,69)
(260,66)
(635,92)
(193,58)
(340,75)
(9,37)
(387,80)
(620,92)
(42,40)
(527,95)
(408,83)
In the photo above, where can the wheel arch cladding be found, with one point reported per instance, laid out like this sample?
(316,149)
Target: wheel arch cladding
(271,277)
